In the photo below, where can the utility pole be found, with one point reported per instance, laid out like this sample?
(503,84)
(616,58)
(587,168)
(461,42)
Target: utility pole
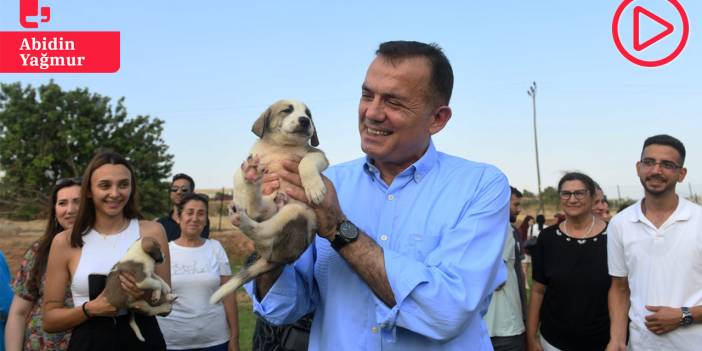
(532,92)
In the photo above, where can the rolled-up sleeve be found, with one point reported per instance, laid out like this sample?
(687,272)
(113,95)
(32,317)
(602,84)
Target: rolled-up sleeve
(293,294)
(437,296)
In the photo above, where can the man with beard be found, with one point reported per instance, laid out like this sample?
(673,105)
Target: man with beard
(655,254)
(506,313)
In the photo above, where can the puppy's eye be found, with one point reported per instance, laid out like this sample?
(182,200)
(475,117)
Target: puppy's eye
(289,109)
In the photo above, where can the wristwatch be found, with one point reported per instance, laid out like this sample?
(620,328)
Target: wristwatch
(346,233)
(686,317)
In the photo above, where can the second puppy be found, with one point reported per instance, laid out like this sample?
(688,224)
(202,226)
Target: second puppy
(139,261)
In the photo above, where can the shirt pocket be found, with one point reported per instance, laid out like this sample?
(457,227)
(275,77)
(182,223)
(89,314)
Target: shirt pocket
(420,245)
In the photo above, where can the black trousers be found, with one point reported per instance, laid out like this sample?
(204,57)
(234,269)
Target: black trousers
(114,334)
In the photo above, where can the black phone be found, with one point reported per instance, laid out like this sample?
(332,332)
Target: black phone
(96,284)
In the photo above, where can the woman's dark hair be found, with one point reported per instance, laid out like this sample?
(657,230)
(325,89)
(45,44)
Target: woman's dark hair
(193,197)
(44,243)
(584,178)
(523,229)
(86,215)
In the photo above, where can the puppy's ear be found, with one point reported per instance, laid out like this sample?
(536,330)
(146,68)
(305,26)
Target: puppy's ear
(261,124)
(315,139)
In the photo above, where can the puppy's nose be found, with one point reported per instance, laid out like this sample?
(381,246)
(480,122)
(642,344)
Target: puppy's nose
(304,122)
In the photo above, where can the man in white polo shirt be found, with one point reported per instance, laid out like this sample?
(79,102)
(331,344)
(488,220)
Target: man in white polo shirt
(655,258)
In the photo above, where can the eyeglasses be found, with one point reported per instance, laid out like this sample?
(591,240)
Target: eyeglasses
(579,194)
(182,189)
(68,181)
(667,165)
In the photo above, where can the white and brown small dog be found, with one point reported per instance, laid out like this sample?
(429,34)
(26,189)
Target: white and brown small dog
(280,227)
(139,261)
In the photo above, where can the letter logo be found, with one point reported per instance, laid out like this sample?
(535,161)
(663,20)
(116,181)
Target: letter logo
(30,15)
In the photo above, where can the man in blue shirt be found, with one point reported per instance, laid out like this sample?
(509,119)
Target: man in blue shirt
(409,239)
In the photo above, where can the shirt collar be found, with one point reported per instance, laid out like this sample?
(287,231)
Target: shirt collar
(417,170)
(681,213)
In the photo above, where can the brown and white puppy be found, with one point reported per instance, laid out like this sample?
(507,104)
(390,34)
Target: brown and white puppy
(139,261)
(280,227)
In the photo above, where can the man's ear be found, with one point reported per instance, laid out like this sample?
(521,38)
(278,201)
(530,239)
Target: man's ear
(683,173)
(261,124)
(439,119)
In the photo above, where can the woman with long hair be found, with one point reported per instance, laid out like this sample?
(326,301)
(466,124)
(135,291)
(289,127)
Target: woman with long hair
(24,327)
(569,292)
(108,223)
(523,229)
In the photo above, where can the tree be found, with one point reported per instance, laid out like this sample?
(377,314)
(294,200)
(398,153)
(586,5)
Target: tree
(47,134)
(551,196)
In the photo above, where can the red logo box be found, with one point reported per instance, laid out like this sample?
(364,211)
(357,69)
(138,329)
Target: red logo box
(59,52)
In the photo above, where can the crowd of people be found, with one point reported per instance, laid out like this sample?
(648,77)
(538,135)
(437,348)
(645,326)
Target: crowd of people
(416,250)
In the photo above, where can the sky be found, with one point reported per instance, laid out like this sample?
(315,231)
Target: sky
(208,69)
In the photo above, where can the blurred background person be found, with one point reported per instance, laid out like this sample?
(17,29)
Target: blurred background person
(523,229)
(24,326)
(570,277)
(538,226)
(600,208)
(199,266)
(5,295)
(181,185)
(506,313)
(525,233)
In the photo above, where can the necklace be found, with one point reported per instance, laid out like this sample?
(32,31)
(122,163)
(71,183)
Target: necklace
(121,229)
(589,229)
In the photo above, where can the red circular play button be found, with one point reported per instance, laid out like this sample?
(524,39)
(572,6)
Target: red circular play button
(640,44)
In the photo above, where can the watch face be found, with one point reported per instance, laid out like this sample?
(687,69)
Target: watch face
(348,230)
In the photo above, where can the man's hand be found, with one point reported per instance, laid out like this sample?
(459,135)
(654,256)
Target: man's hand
(663,320)
(328,212)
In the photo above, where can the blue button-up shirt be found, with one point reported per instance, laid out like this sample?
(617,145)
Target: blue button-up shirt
(441,227)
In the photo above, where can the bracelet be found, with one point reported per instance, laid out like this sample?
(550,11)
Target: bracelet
(85,311)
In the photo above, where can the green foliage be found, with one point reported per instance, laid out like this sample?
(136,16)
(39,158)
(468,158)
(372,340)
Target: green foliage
(528,193)
(551,197)
(47,133)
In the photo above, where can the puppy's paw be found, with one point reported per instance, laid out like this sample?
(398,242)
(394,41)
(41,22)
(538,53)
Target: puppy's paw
(281,199)
(171,298)
(314,188)
(233,214)
(155,296)
(253,171)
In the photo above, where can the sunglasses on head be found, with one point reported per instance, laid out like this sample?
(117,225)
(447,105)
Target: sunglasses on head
(68,181)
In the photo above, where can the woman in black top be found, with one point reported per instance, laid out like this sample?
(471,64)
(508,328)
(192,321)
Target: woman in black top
(569,293)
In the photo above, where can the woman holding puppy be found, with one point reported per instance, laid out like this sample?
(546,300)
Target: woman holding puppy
(199,267)
(24,328)
(108,223)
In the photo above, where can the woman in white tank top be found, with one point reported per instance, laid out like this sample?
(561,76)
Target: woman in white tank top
(107,224)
